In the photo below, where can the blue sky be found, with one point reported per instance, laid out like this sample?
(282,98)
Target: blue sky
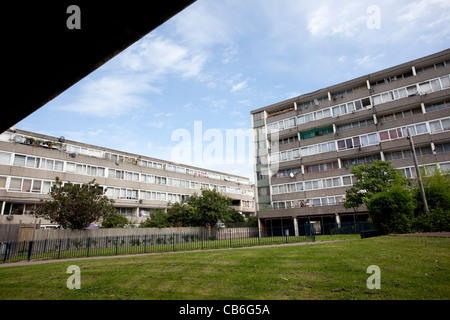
(187,88)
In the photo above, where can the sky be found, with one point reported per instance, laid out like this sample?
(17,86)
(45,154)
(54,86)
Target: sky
(184,92)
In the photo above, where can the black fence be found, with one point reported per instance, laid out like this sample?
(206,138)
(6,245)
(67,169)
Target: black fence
(148,243)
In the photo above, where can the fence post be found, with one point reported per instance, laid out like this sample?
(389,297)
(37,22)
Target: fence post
(88,243)
(145,243)
(59,248)
(7,248)
(173,241)
(117,243)
(30,248)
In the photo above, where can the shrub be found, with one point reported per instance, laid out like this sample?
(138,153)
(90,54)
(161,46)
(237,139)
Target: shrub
(392,210)
(437,219)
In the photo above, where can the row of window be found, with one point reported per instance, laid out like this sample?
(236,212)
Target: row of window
(429,86)
(332,182)
(363,123)
(71,167)
(313,202)
(74,149)
(410,172)
(355,125)
(19,184)
(364,140)
(346,163)
(349,107)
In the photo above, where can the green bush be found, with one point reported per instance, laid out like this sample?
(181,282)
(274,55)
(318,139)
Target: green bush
(438,219)
(392,210)
(115,220)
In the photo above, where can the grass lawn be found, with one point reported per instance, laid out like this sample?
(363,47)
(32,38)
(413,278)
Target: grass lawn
(411,268)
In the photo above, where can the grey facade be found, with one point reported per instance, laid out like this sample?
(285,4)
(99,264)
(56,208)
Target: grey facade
(29,162)
(304,146)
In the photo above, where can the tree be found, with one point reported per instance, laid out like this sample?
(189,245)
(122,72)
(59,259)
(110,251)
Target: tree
(114,220)
(209,207)
(76,206)
(181,215)
(157,219)
(371,179)
(392,210)
(232,216)
(437,191)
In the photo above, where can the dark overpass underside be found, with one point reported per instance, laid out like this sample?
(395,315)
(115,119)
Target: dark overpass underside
(42,57)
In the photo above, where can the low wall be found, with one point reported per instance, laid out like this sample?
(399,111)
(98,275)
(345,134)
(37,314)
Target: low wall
(90,233)
(235,233)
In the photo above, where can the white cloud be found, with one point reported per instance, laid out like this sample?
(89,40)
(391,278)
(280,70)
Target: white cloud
(124,84)
(335,19)
(157,56)
(239,86)
(205,24)
(369,60)
(109,96)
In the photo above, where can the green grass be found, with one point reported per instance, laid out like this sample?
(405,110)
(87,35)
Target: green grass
(411,268)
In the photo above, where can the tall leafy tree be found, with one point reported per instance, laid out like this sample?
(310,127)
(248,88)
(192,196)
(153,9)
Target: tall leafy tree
(371,179)
(209,207)
(76,206)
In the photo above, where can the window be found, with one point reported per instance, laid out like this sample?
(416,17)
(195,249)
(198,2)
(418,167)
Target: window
(421,128)
(348,143)
(438,106)
(440,125)
(443,147)
(435,126)
(370,139)
(445,167)
(445,81)
(70,167)
(347,180)
(2,182)
(15,184)
(46,186)
(4,158)
(26,185)
(425,87)
(19,160)
(36,186)
(338,110)
(411,90)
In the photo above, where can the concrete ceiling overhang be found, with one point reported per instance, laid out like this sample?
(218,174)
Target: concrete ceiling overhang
(42,56)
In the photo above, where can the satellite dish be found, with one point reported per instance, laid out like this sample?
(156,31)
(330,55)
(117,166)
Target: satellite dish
(291,175)
(316,102)
(62,139)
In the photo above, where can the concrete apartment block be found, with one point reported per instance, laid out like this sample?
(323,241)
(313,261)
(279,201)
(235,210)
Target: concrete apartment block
(304,146)
(29,163)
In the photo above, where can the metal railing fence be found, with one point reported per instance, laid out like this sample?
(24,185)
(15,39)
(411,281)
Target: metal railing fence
(135,244)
